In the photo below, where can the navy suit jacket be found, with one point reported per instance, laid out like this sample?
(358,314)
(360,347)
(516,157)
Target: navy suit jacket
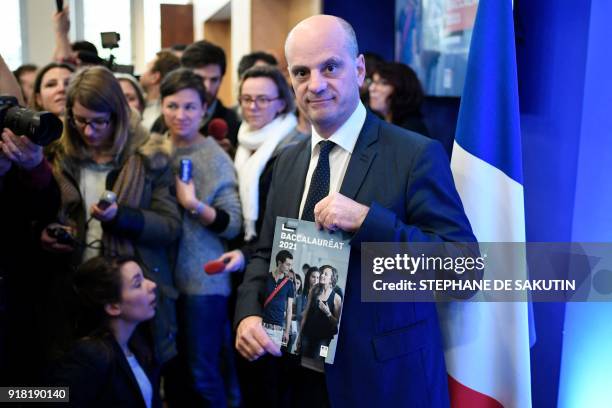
(388,354)
(99,375)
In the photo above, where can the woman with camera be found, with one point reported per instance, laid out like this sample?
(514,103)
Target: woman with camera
(111,366)
(29,197)
(104,148)
(211,208)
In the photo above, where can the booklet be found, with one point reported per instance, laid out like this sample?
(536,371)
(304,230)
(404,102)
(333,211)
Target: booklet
(305,290)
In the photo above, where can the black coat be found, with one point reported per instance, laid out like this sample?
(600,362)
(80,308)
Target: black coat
(99,375)
(230,117)
(29,200)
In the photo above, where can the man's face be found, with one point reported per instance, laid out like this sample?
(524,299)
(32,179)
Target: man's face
(285,267)
(149,77)
(324,75)
(212,80)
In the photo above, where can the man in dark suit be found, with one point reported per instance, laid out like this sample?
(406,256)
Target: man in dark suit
(208,60)
(380,183)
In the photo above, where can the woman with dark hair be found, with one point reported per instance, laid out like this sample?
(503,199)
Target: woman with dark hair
(110,367)
(311,279)
(396,94)
(320,323)
(103,148)
(269,126)
(295,319)
(211,208)
(50,85)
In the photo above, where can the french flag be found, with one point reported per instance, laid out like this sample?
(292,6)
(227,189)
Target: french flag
(487,344)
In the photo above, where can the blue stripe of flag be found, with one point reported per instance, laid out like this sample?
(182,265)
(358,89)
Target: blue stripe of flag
(488,125)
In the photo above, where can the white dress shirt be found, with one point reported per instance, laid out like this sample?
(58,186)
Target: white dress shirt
(345,139)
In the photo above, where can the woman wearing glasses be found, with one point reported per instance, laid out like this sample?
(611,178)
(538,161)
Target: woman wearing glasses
(396,94)
(268,127)
(103,148)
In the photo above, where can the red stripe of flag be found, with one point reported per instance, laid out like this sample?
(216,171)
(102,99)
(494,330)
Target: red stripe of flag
(465,397)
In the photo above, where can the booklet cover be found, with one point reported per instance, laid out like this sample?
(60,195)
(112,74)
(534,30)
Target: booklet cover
(305,290)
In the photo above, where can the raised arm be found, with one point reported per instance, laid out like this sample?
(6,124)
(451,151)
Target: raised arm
(8,82)
(61,26)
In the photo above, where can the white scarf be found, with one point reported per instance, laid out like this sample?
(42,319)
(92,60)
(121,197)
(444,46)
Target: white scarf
(254,150)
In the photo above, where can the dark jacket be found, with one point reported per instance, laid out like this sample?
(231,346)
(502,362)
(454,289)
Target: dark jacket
(99,375)
(390,352)
(414,123)
(265,179)
(29,201)
(230,117)
(153,227)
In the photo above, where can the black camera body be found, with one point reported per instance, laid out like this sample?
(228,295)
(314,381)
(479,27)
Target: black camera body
(41,128)
(62,235)
(110,39)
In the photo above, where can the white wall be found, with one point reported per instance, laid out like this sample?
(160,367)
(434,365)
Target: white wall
(39,37)
(241,30)
(204,9)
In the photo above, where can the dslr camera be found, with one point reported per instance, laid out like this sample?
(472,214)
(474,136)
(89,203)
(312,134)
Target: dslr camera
(41,128)
(110,40)
(62,235)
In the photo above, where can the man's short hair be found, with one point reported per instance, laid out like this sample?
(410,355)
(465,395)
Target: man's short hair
(165,63)
(202,53)
(249,60)
(23,69)
(282,256)
(182,78)
(178,47)
(84,46)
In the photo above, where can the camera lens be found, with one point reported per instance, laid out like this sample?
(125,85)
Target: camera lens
(41,128)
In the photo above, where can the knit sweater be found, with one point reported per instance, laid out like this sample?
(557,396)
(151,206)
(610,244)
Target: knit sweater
(216,184)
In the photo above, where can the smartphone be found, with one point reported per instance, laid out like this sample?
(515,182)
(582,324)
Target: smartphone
(59,4)
(106,200)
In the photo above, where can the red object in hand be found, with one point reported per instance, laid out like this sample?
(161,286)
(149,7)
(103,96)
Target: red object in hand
(214,267)
(218,129)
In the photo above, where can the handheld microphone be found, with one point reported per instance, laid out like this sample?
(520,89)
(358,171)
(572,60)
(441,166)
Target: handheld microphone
(106,200)
(218,128)
(214,267)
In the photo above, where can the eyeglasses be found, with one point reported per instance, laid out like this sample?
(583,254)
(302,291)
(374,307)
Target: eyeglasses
(260,101)
(379,82)
(97,124)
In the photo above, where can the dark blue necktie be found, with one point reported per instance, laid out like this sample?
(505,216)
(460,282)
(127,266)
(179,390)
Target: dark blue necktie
(319,182)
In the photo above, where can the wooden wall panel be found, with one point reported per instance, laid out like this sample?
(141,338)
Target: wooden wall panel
(271,21)
(219,32)
(176,24)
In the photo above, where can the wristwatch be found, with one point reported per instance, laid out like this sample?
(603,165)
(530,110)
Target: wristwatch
(195,212)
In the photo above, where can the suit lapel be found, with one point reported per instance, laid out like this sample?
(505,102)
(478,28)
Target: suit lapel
(362,157)
(125,366)
(298,174)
